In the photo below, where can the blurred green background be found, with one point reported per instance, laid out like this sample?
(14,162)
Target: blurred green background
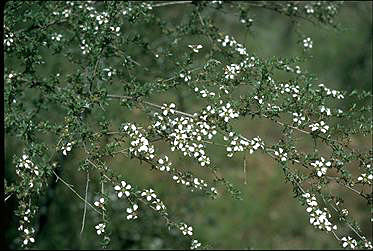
(267,217)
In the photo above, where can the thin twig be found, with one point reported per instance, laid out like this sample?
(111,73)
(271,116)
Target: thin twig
(8,197)
(85,205)
(76,193)
(170,3)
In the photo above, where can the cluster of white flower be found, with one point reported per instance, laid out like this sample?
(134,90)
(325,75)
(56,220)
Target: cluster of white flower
(150,195)
(8,40)
(124,188)
(199,184)
(231,71)
(319,126)
(231,42)
(115,30)
(298,118)
(309,9)
(66,13)
(236,144)
(204,92)
(344,212)
(239,144)
(334,93)
(27,164)
(326,110)
(248,62)
(139,143)
(318,218)
(281,154)
(293,90)
(28,235)
(56,37)
(195,48)
(187,77)
(195,244)
(132,212)
(102,18)
(364,178)
(256,143)
(109,72)
(182,131)
(85,48)
(307,43)
(100,228)
(226,112)
(100,203)
(66,148)
(164,164)
(185,229)
(321,166)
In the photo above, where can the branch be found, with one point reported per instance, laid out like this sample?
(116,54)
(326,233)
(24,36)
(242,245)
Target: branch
(170,3)
(76,193)
(85,205)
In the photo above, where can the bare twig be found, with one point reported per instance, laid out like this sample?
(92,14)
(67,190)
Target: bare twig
(170,3)
(10,195)
(75,192)
(85,205)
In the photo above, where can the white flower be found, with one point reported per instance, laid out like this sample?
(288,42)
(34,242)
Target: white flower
(158,204)
(8,40)
(309,9)
(27,164)
(123,189)
(307,43)
(56,37)
(132,212)
(281,154)
(195,244)
(100,202)
(231,71)
(363,178)
(349,241)
(320,168)
(100,228)
(322,127)
(326,110)
(149,194)
(298,118)
(195,48)
(109,71)
(66,148)
(260,100)
(185,229)
(227,112)
(186,77)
